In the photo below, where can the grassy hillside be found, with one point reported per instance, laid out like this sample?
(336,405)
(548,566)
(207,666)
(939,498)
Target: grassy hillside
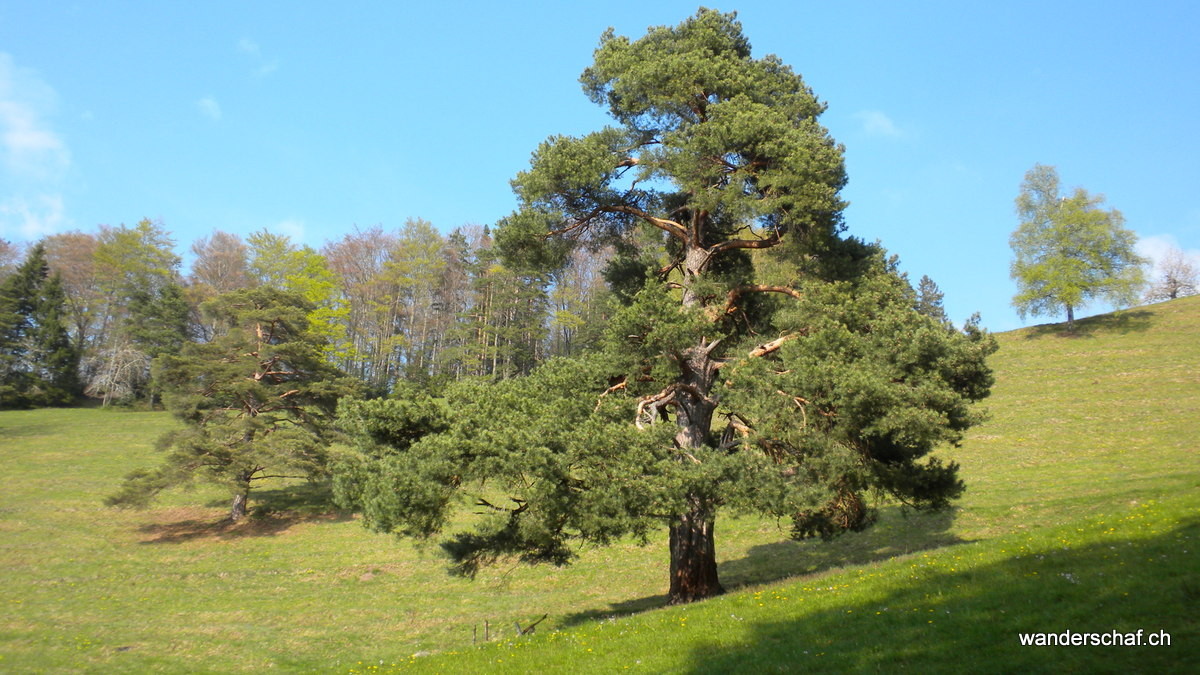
(1081,514)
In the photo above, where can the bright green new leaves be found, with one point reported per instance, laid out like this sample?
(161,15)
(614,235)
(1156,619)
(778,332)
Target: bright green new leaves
(276,262)
(1069,251)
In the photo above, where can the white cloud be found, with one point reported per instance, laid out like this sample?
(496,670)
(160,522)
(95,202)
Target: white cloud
(210,108)
(292,228)
(30,148)
(33,219)
(877,123)
(34,158)
(262,66)
(1157,246)
(248,46)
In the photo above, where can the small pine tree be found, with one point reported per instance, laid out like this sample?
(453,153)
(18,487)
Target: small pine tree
(256,401)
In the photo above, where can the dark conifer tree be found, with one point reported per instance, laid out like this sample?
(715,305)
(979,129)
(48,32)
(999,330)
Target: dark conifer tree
(763,362)
(38,362)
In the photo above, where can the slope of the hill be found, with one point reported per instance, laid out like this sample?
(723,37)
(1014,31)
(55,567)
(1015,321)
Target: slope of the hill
(1082,520)
(1080,515)
(1085,422)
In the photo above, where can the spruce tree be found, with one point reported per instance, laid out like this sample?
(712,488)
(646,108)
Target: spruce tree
(38,362)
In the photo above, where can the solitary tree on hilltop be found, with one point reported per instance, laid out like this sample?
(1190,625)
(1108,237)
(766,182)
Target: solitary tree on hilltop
(1176,277)
(761,361)
(1069,250)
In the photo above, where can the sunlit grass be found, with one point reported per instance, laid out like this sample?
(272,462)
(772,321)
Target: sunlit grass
(1081,488)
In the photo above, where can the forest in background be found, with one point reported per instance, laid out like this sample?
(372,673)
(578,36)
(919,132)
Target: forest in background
(392,304)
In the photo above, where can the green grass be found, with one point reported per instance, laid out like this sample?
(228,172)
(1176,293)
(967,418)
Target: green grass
(1081,514)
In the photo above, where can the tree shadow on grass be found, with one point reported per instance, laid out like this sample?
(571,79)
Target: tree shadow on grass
(272,512)
(898,532)
(1121,323)
(948,618)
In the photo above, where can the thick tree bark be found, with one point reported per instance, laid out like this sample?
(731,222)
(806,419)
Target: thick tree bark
(1070,319)
(693,556)
(693,548)
(237,509)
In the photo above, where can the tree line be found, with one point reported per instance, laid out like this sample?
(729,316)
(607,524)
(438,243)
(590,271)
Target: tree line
(391,305)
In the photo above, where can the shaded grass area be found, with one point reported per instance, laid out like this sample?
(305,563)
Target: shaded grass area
(951,610)
(1087,432)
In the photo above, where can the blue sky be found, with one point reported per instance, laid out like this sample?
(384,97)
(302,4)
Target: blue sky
(309,119)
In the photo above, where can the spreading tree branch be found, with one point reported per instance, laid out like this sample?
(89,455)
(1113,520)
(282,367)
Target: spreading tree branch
(732,296)
(768,347)
(669,226)
(767,242)
(654,403)
(616,387)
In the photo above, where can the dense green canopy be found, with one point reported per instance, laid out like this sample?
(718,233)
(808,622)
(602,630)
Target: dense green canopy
(759,360)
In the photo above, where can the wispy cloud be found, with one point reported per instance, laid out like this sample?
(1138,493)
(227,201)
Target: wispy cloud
(248,46)
(34,158)
(29,147)
(293,228)
(877,123)
(209,108)
(1157,247)
(33,218)
(262,65)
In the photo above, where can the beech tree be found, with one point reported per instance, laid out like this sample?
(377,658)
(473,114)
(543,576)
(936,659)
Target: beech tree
(256,401)
(763,361)
(1069,251)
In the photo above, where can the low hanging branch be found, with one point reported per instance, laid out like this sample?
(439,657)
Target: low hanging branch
(522,505)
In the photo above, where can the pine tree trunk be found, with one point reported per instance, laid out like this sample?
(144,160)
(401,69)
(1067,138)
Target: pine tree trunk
(693,547)
(237,508)
(693,556)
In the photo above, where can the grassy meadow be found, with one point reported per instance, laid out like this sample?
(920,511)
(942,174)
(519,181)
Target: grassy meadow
(1082,513)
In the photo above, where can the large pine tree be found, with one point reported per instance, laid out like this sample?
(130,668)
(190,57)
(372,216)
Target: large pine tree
(763,362)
